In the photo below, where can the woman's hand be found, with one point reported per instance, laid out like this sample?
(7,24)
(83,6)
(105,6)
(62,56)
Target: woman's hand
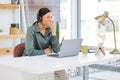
(47,51)
(51,25)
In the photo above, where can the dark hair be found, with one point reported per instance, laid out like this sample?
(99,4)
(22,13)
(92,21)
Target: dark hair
(40,14)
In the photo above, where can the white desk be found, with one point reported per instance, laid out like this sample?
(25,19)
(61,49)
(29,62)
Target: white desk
(30,68)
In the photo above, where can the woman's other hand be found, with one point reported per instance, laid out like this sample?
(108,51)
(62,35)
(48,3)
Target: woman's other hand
(47,51)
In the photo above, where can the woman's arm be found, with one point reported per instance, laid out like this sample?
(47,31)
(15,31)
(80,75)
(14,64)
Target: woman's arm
(54,41)
(55,44)
(30,43)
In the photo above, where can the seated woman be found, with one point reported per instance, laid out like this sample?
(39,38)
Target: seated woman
(41,36)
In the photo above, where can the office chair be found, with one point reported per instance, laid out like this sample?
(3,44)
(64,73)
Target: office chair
(19,49)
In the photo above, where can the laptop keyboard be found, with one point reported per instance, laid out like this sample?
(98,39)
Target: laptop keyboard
(54,54)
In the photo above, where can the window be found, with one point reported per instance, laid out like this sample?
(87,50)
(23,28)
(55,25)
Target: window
(91,31)
(68,24)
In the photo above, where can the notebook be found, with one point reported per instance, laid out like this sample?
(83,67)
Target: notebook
(68,48)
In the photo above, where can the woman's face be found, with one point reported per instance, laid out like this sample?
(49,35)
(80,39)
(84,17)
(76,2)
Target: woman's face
(47,18)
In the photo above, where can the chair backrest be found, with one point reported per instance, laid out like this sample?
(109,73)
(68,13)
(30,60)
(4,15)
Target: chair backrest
(19,49)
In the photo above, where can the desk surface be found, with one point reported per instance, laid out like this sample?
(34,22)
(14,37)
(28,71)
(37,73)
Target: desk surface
(44,64)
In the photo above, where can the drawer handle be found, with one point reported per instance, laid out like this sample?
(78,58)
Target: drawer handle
(7,51)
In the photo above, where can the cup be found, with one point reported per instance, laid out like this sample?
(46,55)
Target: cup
(84,49)
(14,29)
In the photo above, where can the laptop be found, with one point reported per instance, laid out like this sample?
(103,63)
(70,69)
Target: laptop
(68,48)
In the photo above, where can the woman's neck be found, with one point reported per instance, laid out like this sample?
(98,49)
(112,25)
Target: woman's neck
(41,26)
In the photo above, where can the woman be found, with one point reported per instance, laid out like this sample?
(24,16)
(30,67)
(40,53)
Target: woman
(41,36)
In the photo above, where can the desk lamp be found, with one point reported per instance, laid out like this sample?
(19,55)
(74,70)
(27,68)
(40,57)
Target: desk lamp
(101,20)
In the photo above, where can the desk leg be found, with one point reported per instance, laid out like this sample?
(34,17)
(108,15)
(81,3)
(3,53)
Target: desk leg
(85,73)
(78,71)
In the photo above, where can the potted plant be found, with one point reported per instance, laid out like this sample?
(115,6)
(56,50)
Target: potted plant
(58,33)
(1,30)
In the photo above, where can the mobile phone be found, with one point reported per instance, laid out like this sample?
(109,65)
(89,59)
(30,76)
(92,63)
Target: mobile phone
(98,48)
